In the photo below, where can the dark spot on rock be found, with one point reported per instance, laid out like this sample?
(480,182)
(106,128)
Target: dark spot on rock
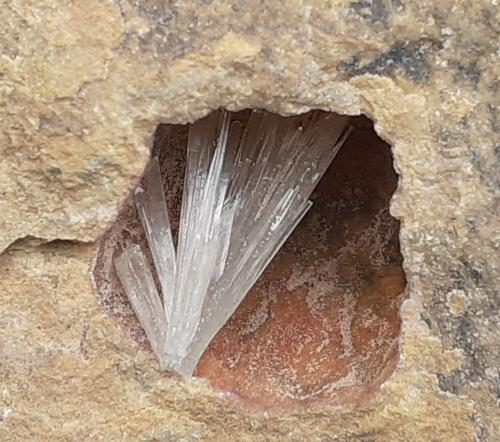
(487,17)
(161,38)
(54,171)
(486,161)
(470,72)
(398,5)
(425,317)
(160,11)
(403,57)
(10,49)
(474,270)
(350,66)
(466,340)
(497,387)
(449,382)
(373,10)
(493,111)
(494,86)
(457,280)
(471,222)
(452,141)
(54,174)
(476,274)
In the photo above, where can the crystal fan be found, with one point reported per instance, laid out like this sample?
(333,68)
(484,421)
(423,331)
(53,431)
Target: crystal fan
(246,187)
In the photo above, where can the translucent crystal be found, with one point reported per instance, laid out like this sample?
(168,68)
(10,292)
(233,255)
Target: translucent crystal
(152,209)
(244,193)
(135,275)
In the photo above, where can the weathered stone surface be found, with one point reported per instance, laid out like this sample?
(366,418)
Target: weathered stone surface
(82,87)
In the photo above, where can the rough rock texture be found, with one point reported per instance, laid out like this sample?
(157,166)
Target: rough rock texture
(83,86)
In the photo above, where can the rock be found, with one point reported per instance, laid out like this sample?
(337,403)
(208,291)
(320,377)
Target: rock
(83,86)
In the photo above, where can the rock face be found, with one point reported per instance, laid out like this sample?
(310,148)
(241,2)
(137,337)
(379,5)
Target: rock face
(83,86)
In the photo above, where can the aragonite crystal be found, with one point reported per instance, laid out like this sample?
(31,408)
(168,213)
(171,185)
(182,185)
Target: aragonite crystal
(244,193)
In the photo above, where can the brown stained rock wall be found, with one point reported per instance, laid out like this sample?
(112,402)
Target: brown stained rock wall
(322,323)
(82,87)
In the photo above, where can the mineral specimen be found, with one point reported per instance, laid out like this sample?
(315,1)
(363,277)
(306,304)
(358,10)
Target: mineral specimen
(245,190)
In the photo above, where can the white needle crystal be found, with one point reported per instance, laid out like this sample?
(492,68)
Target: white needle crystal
(245,191)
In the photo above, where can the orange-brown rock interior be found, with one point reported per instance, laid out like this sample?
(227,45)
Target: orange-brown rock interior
(322,323)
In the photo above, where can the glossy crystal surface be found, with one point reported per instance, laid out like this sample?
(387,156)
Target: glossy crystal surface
(246,188)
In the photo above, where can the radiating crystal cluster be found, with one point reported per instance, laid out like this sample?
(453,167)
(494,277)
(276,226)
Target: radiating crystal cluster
(246,187)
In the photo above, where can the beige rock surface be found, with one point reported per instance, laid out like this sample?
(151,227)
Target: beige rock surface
(83,86)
